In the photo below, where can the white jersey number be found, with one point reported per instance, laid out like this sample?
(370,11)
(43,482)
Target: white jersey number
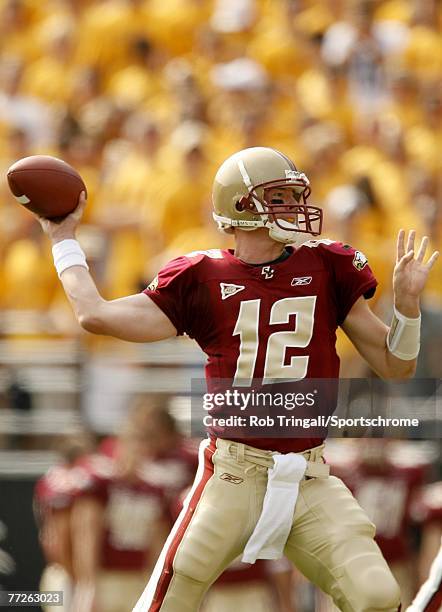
(247,327)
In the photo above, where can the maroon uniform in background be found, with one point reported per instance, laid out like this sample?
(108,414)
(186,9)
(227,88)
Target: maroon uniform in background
(385,477)
(132,510)
(171,470)
(385,489)
(57,488)
(54,494)
(54,497)
(428,506)
(237,312)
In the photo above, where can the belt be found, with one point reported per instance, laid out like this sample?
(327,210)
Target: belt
(316,467)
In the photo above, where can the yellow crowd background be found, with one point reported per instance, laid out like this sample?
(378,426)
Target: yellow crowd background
(145,98)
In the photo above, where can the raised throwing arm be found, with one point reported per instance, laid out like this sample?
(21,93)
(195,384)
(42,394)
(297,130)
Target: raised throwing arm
(135,318)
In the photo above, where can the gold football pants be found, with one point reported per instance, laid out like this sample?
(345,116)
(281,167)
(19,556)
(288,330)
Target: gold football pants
(331,540)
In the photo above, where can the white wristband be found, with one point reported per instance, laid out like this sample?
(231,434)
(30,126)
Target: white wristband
(403,338)
(68,253)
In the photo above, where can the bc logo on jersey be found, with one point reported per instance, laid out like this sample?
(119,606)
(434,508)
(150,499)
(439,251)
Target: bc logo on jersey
(267,272)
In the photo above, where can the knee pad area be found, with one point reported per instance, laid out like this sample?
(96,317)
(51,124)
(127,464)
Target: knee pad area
(367,585)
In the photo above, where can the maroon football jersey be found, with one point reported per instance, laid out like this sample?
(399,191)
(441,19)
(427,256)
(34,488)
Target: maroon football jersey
(57,489)
(171,471)
(132,511)
(265,322)
(427,507)
(386,494)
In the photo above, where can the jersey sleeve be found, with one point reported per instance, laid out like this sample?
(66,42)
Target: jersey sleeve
(171,291)
(352,275)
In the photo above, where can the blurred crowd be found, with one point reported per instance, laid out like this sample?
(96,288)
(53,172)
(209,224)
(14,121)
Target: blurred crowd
(146,97)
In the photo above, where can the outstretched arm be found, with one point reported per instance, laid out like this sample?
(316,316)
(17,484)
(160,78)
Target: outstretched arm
(369,334)
(135,318)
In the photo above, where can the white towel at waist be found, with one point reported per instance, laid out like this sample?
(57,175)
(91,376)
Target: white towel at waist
(273,527)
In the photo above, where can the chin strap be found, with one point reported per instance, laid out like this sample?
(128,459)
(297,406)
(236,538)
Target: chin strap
(288,236)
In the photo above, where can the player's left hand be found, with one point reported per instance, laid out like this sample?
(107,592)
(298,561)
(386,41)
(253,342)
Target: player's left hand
(410,272)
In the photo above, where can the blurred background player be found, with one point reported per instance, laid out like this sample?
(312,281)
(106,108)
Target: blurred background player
(120,521)
(54,496)
(169,460)
(385,476)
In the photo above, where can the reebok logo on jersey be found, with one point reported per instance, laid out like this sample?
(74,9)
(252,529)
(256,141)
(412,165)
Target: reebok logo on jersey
(301,280)
(359,260)
(231,478)
(229,290)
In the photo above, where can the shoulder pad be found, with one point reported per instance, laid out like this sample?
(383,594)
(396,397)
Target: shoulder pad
(211,253)
(316,243)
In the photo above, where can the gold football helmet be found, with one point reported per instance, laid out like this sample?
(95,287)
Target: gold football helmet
(239,196)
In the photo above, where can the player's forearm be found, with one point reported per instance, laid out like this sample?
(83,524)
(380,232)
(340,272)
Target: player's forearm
(391,352)
(84,297)
(385,364)
(398,369)
(403,337)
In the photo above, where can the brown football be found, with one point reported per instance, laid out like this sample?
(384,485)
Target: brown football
(45,185)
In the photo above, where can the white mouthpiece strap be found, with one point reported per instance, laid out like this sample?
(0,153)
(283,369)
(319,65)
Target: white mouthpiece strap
(68,253)
(403,339)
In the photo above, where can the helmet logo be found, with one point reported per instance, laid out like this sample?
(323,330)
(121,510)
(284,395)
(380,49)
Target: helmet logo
(295,176)
(267,272)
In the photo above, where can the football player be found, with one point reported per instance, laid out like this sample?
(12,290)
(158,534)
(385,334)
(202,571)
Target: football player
(267,310)
(54,496)
(428,510)
(120,521)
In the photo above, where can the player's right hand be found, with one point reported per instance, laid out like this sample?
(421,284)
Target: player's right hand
(66,228)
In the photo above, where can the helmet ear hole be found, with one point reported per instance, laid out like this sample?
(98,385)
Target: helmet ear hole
(241,204)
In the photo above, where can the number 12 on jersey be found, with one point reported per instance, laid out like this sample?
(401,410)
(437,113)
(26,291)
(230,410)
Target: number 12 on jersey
(247,327)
